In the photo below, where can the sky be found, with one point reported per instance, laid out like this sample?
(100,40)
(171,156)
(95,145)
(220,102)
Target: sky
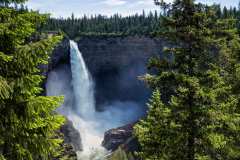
(64,8)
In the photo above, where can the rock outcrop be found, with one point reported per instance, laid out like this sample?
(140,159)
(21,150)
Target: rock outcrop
(121,142)
(60,55)
(115,63)
(71,136)
(121,136)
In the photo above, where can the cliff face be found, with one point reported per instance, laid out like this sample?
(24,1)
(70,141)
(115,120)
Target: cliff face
(115,63)
(60,55)
(104,53)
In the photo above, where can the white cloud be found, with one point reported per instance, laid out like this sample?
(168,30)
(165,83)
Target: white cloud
(145,2)
(63,8)
(115,2)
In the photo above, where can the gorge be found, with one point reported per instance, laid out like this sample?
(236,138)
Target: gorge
(111,97)
(119,80)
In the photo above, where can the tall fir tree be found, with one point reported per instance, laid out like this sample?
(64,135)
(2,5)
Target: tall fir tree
(28,122)
(196,116)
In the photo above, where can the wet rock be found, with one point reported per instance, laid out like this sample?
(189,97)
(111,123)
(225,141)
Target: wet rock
(121,137)
(60,55)
(71,136)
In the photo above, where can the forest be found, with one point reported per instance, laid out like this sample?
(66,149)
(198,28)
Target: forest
(99,25)
(194,108)
(117,25)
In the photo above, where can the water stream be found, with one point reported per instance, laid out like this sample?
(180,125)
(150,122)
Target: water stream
(79,106)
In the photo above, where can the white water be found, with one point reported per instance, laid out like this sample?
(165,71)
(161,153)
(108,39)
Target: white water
(84,107)
(83,84)
(86,120)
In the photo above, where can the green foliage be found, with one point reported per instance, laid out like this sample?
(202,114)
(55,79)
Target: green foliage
(120,154)
(28,122)
(196,116)
(151,135)
(138,24)
(107,26)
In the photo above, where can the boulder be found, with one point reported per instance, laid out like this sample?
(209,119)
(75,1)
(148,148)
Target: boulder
(71,136)
(121,137)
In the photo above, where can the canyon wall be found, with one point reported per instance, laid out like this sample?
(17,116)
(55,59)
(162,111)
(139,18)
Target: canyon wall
(115,63)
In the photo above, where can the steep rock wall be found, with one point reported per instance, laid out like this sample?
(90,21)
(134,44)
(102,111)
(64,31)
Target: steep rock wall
(115,63)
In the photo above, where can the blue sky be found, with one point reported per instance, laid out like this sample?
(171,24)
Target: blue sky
(64,8)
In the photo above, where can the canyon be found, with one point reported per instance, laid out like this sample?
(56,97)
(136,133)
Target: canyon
(114,64)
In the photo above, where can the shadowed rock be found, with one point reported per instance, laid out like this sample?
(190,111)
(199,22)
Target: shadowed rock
(115,63)
(121,137)
(71,136)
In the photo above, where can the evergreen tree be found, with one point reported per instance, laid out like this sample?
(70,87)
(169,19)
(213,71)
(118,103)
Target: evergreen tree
(139,24)
(231,64)
(197,115)
(27,119)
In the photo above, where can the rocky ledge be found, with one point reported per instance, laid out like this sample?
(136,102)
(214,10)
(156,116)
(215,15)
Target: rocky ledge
(71,136)
(121,137)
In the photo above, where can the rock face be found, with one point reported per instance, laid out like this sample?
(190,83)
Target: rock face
(115,63)
(118,52)
(121,136)
(60,54)
(71,136)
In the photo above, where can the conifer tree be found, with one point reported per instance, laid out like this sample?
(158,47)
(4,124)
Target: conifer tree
(231,64)
(196,116)
(27,120)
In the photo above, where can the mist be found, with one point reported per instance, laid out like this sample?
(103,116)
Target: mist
(76,85)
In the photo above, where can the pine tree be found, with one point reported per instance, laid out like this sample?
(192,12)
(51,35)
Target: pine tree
(196,115)
(28,122)
(231,64)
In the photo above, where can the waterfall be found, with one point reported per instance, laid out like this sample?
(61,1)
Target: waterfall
(77,87)
(84,107)
(83,84)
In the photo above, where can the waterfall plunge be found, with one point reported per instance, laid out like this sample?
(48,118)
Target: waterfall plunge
(83,88)
(83,84)
(79,105)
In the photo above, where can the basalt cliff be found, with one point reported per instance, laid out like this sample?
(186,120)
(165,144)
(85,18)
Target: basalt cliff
(114,63)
